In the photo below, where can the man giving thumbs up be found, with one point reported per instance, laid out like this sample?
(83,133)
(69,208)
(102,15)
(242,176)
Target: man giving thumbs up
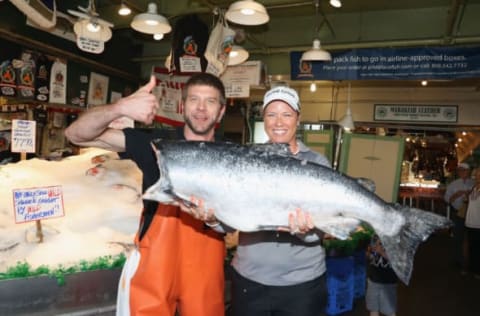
(178,261)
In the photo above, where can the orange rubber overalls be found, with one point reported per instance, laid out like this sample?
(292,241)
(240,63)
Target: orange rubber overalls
(180,266)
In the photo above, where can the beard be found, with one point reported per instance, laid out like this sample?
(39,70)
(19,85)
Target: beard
(200,129)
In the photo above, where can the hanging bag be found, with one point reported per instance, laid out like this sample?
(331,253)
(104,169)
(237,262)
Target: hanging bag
(219,46)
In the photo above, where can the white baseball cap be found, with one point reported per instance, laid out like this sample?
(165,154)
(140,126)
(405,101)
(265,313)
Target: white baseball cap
(463,165)
(285,94)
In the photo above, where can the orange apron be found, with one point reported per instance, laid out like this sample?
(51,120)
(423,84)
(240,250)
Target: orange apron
(181,265)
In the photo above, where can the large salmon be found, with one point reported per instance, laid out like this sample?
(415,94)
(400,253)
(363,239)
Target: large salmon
(255,187)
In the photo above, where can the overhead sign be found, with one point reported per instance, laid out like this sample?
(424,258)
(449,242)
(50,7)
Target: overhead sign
(34,204)
(391,63)
(416,112)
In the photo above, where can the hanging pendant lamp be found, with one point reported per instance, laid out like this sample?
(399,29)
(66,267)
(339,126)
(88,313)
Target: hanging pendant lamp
(151,22)
(247,12)
(316,53)
(237,55)
(347,120)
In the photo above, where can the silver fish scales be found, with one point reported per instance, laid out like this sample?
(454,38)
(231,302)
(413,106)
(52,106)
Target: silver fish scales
(255,187)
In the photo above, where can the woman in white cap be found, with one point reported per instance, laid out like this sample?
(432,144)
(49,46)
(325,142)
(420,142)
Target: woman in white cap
(281,273)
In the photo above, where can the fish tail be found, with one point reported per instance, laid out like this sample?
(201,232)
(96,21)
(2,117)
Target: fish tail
(401,248)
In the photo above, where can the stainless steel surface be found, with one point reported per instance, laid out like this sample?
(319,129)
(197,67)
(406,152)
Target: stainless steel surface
(84,293)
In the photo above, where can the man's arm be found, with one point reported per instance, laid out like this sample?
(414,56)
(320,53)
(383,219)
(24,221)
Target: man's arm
(91,128)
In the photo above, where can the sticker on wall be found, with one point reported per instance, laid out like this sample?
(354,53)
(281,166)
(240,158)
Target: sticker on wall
(58,82)
(8,77)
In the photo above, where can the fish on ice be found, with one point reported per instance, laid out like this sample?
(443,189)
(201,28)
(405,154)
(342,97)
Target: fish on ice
(255,187)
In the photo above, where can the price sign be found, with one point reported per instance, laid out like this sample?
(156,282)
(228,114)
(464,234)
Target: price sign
(23,136)
(34,204)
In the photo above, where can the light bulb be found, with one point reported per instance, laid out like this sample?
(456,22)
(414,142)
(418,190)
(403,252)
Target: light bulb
(151,22)
(336,3)
(247,11)
(313,87)
(93,27)
(157,36)
(124,10)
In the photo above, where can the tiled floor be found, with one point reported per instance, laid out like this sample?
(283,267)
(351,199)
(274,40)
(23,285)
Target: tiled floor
(437,288)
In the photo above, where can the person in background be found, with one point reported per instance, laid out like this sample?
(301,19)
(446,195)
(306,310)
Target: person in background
(472,224)
(381,294)
(456,196)
(177,265)
(281,272)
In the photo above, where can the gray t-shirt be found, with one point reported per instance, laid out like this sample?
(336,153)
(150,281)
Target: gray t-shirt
(278,258)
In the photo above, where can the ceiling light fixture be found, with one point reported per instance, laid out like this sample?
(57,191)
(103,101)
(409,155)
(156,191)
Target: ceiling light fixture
(316,53)
(93,27)
(90,29)
(336,3)
(237,55)
(313,87)
(424,83)
(124,10)
(151,22)
(347,120)
(247,12)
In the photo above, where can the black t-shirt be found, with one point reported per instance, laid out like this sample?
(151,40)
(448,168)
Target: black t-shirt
(380,270)
(138,148)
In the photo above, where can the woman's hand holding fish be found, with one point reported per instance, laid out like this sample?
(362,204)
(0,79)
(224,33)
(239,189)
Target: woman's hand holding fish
(299,222)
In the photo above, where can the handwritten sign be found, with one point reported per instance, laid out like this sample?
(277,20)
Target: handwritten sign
(23,136)
(33,204)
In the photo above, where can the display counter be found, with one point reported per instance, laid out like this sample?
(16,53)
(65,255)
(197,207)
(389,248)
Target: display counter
(427,196)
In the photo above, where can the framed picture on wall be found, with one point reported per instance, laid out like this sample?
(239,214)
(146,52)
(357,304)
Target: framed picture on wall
(97,89)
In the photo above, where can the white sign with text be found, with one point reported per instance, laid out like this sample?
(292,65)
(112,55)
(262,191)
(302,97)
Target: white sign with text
(23,136)
(32,204)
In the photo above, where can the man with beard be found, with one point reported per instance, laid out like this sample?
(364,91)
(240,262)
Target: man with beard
(178,261)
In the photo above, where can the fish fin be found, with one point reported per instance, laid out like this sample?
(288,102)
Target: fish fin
(339,227)
(401,248)
(162,190)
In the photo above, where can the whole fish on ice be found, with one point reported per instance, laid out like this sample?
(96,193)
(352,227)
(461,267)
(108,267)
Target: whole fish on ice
(255,187)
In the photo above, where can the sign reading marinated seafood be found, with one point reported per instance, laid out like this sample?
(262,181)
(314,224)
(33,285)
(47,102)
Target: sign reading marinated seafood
(416,112)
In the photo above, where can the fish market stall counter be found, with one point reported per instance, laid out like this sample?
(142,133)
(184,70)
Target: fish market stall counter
(427,195)
(63,252)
